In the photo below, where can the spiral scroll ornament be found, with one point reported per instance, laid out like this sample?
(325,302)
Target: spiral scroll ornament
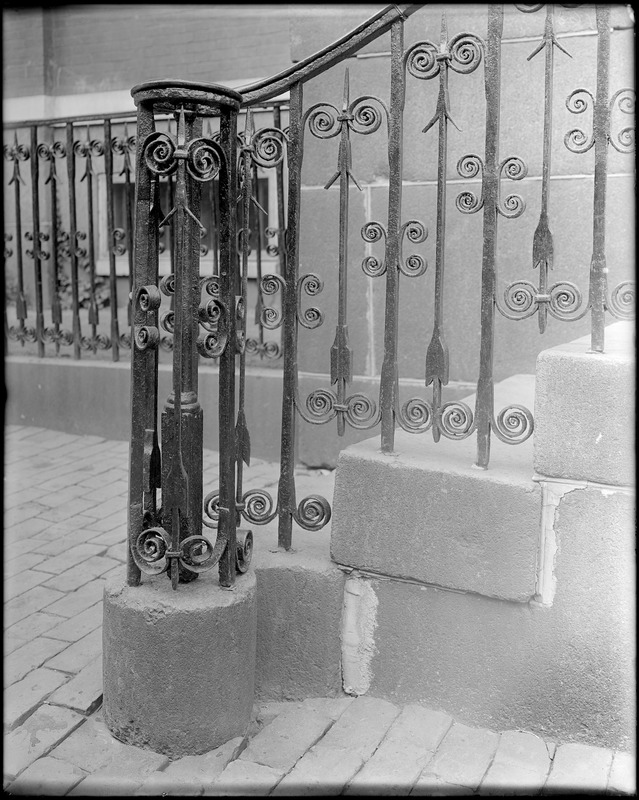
(271,318)
(373,232)
(16,153)
(322,119)
(415,415)
(37,251)
(311,284)
(364,116)
(368,113)
(576,140)
(455,420)
(469,167)
(152,552)
(466,51)
(49,152)
(146,337)
(514,424)
(268,147)
(119,242)
(623,299)
(257,507)
(203,156)
(462,53)
(623,140)
(513,205)
(413,265)
(62,336)
(566,301)
(312,513)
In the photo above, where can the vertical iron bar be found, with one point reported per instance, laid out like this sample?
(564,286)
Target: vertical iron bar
(601,129)
(77,332)
(279,180)
(437,353)
(128,223)
(388,381)
(56,310)
(93,306)
(542,243)
(228,289)
(259,303)
(341,356)
(113,285)
(286,490)
(142,258)
(21,301)
(241,430)
(485,386)
(37,265)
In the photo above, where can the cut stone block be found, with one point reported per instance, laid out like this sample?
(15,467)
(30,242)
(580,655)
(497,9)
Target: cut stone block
(427,513)
(585,409)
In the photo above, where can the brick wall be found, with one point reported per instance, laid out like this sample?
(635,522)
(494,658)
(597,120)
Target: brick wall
(22,52)
(99,48)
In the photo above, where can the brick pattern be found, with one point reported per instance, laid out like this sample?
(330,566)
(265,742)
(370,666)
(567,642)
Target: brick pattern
(57,743)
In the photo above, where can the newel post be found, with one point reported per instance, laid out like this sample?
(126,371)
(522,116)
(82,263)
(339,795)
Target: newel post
(179,665)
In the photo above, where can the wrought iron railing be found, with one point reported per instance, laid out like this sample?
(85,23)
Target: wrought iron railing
(166,534)
(69,294)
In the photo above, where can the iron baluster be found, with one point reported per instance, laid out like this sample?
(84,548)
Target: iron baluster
(426,60)
(286,485)
(145,234)
(601,132)
(73,240)
(37,253)
(22,332)
(113,286)
(389,378)
(54,333)
(228,292)
(543,249)
(341,353)
(484,402)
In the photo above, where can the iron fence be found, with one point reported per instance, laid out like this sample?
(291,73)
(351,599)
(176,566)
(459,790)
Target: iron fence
(207,313)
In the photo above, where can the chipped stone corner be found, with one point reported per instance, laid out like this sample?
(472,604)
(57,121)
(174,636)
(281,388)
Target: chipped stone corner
(553,491)
(359,621)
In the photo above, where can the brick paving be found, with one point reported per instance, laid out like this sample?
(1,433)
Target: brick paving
(59,550)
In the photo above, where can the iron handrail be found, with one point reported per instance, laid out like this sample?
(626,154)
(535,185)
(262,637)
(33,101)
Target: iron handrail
(328,56)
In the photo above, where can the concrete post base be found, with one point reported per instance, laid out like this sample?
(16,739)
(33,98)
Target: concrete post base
(179,667)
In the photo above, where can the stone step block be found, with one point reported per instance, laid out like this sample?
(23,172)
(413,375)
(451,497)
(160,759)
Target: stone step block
(427,513)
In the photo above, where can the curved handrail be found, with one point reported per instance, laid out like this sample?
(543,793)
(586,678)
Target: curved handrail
(325,58)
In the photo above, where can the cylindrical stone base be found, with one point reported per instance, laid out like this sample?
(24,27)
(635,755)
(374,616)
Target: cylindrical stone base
(179,666)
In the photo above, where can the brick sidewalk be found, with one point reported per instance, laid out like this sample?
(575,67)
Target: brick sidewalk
(65,520)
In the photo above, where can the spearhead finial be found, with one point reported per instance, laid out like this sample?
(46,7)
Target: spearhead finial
(443,36)
(346,90)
